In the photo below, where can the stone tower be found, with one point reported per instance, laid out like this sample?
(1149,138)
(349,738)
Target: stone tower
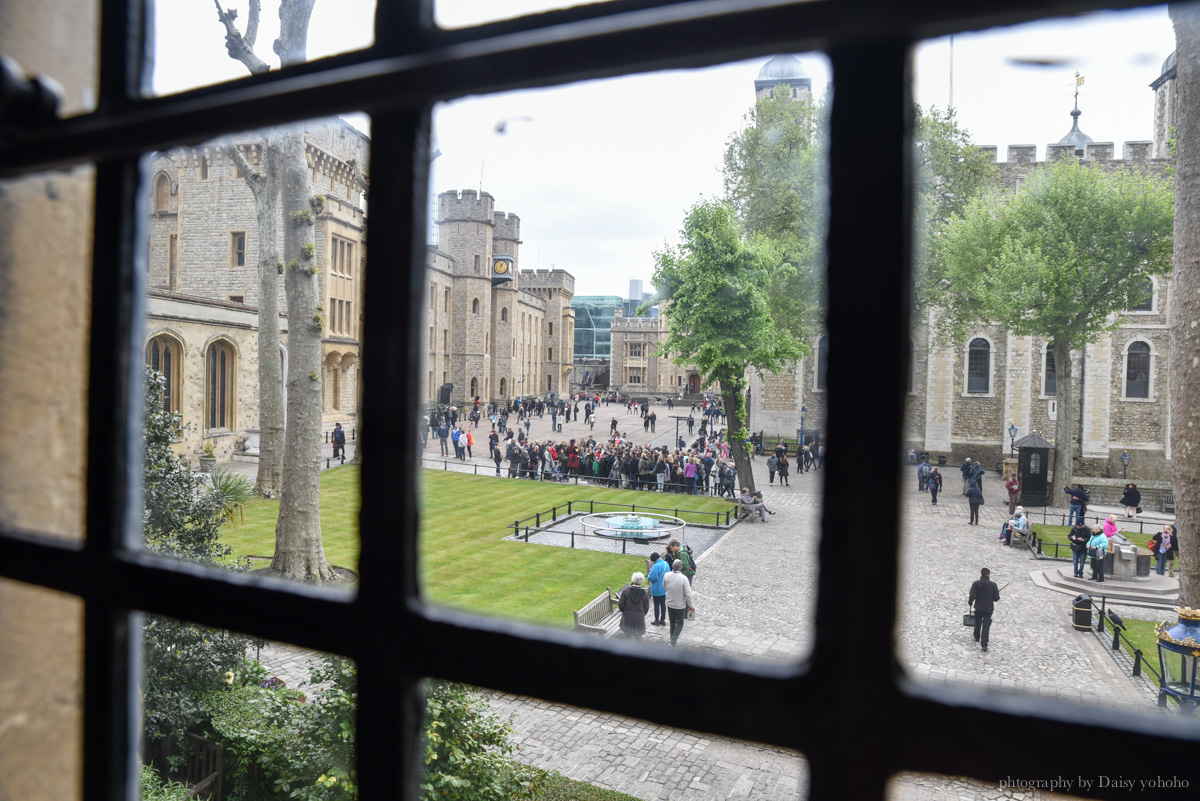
(466,229)
(1164,108)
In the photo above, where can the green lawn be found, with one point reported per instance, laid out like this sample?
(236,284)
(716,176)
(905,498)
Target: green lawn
(464,560)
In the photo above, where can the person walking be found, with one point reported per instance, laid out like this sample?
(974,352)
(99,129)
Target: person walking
(974,499)
(443,434)
(658,593)
(339,441)
(984,594)
(966,474)
(784,469)
(1097,550)
(934,484)
(679,599)
(1165,547)
(470,441)
(634,603)
(497,457)
(1132,501)
(1013,485)
(977,472)
(923,471)
(772,468)
(1078,538)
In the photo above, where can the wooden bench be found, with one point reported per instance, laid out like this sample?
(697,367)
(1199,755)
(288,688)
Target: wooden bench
(745,511)
(600,616)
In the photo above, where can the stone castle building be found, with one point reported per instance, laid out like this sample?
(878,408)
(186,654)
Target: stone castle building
(203,252)
(494,331)
(963,396)
(636,370)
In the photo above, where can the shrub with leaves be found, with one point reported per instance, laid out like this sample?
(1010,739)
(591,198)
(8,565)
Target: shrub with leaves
(155,788)
(184,663)
(232,490)
(467,750)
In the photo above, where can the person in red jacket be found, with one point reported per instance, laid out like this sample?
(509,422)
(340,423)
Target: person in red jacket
(1014,491)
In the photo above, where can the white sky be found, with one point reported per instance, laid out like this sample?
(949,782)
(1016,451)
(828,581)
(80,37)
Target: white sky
(602,172)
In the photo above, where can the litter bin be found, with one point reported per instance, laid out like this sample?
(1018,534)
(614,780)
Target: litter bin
(1081,609)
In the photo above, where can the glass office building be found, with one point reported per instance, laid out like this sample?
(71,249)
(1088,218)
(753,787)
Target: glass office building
(593,324)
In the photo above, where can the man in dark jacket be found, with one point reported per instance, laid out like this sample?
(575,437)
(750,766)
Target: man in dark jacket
(1078,500)
(984,594)
(1078,537)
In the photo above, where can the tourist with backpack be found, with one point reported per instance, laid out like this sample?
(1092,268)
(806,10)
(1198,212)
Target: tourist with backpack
(683,554)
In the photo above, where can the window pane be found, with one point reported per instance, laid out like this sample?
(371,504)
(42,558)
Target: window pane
(44,369)
(588,338)
(983,203)
(41,660)
(189,41)
(240,717)
(639,758)
(219,404)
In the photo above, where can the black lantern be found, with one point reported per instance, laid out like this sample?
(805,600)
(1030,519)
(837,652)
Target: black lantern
(1178,657)
(1012,440)
(1125,465)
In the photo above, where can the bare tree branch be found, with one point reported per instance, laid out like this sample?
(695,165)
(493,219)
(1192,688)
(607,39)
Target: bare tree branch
(236,45)
(254,178)
(252,23)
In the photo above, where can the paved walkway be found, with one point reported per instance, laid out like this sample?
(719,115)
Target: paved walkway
(754,596)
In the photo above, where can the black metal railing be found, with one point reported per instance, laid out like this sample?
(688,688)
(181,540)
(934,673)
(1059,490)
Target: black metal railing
(1060,519)
(623,482)
(522,527)
(1119,640)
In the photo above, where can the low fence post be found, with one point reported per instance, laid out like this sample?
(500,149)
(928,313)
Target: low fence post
(527,533)
(623,541)
(554,515)
(591,507)
(1116,646)
(538,524)
(1100,624)
(1137,662)
(572,539)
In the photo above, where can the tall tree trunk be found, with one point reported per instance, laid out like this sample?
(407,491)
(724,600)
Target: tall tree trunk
(735,413)
(1067,422)
(1184,372)
(298,550)
(270,371)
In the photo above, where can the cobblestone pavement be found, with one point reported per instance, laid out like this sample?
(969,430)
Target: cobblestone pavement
(754,596)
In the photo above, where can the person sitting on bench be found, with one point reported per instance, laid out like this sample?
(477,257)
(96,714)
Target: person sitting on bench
(1018,524)
(754,503)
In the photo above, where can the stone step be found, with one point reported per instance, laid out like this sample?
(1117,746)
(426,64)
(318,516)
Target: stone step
(1153,590)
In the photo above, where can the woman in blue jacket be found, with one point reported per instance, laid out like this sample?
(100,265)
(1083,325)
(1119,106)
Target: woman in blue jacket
(1097,549)
(658,593)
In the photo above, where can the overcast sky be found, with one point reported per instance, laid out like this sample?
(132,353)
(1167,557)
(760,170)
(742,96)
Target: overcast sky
(602,172)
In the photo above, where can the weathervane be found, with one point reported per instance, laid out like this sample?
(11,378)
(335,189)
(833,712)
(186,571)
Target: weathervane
(1078,83)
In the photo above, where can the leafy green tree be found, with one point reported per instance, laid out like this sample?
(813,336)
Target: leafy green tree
(467,750)
(718,284)
(183,663)
(774,173)
(1059,259)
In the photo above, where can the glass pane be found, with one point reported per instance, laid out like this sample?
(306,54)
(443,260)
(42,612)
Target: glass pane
(47,249)
(573,358)
(1040,438)
(464,13)
(244,718)
(190,41)
(41,660)
(60,41)
(625,757)
(217,405)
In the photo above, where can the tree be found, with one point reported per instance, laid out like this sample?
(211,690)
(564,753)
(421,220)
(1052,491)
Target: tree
(1185,302)
(281,192)
(774,176)
(717,287)
(1060,259)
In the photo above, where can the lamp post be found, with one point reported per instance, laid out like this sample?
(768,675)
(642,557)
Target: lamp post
(1012,441)
(1125,465)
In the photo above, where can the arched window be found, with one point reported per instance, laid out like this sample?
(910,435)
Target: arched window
(979,366)
(219,372)
(1141,297)
(503,319)
(475,306)
(474,387)
(822,362)
(1051,373)
(162,193)
(502,387)
(164,354)
(1137,370)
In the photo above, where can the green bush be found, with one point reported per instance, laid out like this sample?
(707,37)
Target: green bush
(466,750)
(154,788)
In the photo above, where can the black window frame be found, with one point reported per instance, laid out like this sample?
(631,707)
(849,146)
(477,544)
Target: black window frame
(976,373)
(840,694)
(1134,360)
(1049,373)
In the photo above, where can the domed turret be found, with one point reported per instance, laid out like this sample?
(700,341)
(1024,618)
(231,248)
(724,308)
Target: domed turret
(1075,136)
(783,69)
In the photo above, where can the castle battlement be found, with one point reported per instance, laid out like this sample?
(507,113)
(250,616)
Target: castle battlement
(556,278)
(1135,151)
(508,226)
(638,323)
(466,204)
